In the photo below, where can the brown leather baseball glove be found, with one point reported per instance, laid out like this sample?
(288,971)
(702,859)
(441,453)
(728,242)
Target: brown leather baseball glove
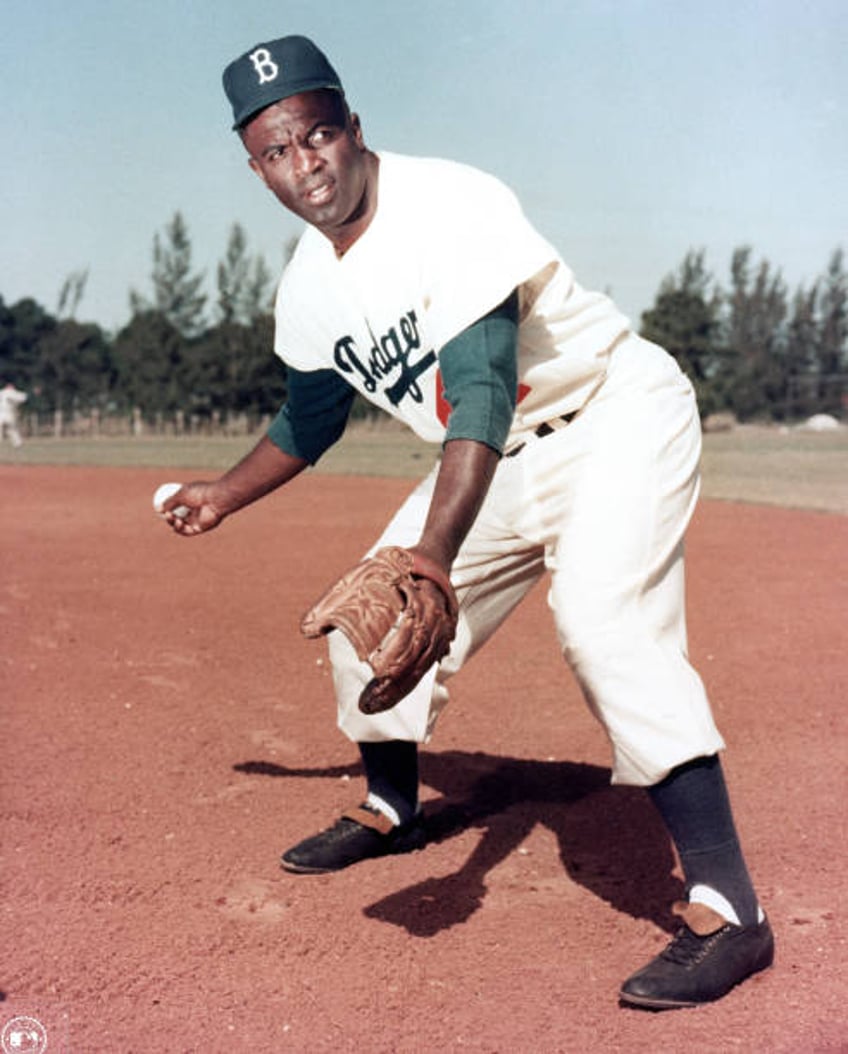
(399,611)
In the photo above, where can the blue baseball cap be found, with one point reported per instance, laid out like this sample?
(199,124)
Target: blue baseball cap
(273,71)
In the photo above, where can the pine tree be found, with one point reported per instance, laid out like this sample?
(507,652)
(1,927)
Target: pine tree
(833,336)
(801,356)
(753,374)
(176,289)
(684,320)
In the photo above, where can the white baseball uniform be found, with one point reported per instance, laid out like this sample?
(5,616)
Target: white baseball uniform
(10,400)
(601,502)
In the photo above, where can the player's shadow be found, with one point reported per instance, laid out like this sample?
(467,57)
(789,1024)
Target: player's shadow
(611,840)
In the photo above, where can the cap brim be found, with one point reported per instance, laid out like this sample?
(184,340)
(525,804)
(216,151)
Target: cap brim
(262,100)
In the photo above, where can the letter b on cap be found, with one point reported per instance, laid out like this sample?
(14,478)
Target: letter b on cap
(266,69)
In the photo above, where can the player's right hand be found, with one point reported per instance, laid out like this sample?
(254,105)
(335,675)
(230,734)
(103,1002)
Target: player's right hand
(193,509)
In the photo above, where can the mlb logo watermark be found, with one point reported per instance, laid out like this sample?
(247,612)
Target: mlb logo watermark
(34,1027)
(23,1035)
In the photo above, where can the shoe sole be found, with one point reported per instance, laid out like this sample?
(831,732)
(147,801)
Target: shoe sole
(655,1004)
(300,869)
(643,1002)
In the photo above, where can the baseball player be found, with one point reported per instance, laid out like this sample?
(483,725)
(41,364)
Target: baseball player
(569,448)
(11,400)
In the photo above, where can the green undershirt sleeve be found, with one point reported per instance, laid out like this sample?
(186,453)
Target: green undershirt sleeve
(480,376)
(314,415)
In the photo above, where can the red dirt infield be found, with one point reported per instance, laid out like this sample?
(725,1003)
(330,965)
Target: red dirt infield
(167,732)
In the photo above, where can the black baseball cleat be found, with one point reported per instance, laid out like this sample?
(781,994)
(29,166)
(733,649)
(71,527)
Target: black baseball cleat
(359,834)
(707,957)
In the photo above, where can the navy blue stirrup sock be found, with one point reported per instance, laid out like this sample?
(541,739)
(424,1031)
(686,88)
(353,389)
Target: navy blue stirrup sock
(391,769)
(695,806)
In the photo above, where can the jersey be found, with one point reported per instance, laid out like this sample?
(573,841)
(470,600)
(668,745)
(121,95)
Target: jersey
(446,245)
(10,400)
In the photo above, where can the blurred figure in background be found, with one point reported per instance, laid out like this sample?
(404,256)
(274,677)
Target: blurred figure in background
(10,399)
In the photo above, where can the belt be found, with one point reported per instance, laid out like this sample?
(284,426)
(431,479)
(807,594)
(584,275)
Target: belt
(546,428)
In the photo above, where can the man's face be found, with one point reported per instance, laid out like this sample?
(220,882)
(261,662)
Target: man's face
(309,152)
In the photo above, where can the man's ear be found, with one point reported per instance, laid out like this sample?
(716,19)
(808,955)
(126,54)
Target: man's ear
(257,168)
(356,128)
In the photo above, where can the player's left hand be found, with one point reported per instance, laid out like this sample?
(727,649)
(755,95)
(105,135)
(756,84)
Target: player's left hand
(399,611)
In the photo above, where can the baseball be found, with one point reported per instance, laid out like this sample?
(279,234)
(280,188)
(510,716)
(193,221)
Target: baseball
(163,493)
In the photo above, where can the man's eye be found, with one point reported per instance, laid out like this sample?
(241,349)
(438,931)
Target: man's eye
(321,136)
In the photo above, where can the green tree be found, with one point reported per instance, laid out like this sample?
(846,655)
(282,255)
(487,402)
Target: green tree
(22,327)
(232,276)
(801,354)
(176,287)
(685,321)
(833,335)
(148,354)
(71,361)
(258,300)
(752,375)
(73,369)
(244,283)
(233,368)
(71,294)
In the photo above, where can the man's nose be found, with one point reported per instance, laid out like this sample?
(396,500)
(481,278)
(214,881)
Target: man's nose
(306,160)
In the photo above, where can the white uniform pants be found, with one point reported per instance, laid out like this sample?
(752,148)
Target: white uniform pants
(602,505)
(9,427)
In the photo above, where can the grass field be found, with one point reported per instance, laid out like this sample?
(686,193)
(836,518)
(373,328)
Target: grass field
(789,467)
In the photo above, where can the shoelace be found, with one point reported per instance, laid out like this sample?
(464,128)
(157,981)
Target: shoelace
(688,949)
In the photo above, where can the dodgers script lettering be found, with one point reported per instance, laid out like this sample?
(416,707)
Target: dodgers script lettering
(388,353)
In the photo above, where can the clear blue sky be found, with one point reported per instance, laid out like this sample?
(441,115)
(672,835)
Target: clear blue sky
(632,130)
